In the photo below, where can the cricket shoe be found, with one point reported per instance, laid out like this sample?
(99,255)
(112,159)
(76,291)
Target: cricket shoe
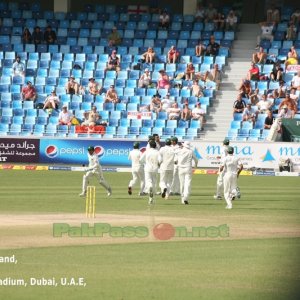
(83,194)
(163,194)
(129,190)
(217,197)
(109,192)
(186,202)
(229,207)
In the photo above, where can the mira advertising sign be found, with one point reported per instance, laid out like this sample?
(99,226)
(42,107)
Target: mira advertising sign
(112,153)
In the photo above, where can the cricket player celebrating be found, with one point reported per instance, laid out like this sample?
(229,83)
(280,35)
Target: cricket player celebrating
(232,167)
(166,168)
(137,169)
(152,159)
(185,159)
(221,174)
(94,169)
(175,186)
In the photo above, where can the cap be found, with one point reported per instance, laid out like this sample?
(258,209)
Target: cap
(168,142)
(284,106)
(92,78)
(29,82)
(146,70)
(230,150)
(198,103)
(226,142)
(187,145)
(91,148)
(136,145)
(53,91)
(174,139)
(72,77)
(65,106)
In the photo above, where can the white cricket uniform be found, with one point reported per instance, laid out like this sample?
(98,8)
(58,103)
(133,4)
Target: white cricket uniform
(94,169)
(151,159)
(231,165)
(137,169)
(224,153)
(166,168)
(175,186)
(185,159)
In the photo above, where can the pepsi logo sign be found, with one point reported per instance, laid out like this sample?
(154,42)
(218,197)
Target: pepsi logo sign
(99,150)
(51,151)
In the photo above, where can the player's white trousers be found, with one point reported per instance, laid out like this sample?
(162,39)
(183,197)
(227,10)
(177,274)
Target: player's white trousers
(185,179)
(175,186)
(150,180)
(99,175)
(138,174)
(166,179)
(230,183)
(220,182)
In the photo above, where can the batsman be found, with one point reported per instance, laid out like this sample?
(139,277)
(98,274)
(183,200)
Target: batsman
(94,169)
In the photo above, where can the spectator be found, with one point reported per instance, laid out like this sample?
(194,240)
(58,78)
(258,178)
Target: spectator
(49,36)
(292,58)
(273,15)
(111,95)
(231,21)
(52,101)
(174,112)
(113,63)
(295,83)
(285,113)
(189,72)
(294,96)
(291,32)
(219,21)
(81,90)
(94,87)
(239,104)
(26,36)
(269,120)
(198,113)
(29,92)
(92,118)
(253,73)
(254,97)
(212,48)
(164,81)
(173,55)
(18,67)
(186,113)
(260,56)
(290,104)
(149,56)
(281,91)
(295,17)
(65,117)
(37,36)
(245,89)
(166,102)
(277,72)
(266,32)
(114,38)
(72,87)
(197,90)
(145,80)
(249,114)
(200,13)
(156,105)
(164,20)
(214,75)
(211,13)
(264,104)
(200,49)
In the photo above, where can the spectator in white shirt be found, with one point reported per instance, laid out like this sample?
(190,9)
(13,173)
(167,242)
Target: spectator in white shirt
(18,67)
(52,101)
(266,33)
(198,113)
(264,104)
(65,117)
(296,81)
(164,20)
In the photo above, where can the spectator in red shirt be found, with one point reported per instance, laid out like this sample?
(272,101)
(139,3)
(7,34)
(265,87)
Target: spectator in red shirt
(253,73)
(173,55)
(29,92)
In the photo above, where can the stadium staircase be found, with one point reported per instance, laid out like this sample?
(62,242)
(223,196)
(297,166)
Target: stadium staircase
(218,122)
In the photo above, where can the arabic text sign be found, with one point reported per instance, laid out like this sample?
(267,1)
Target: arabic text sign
(19,150)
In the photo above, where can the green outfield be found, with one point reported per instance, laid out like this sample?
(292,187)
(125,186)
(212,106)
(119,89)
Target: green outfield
(257,259)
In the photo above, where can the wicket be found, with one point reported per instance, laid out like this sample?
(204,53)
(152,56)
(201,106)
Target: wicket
(90,201)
